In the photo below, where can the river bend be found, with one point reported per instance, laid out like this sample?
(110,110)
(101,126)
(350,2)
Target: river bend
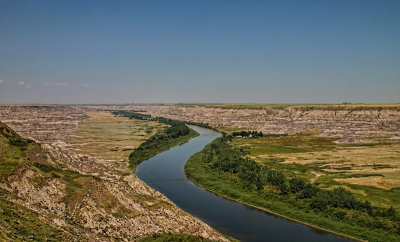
(165,173)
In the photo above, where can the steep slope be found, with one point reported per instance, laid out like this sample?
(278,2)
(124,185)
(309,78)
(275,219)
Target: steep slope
(351,123)
(16,221)
(84,199)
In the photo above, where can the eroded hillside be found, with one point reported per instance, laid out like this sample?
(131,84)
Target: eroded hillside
(77,195)
(350,123)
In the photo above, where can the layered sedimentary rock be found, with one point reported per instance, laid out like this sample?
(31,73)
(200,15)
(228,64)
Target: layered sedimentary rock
(348,122)
(107,205)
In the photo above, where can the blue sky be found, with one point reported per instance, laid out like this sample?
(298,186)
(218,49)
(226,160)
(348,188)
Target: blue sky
(199,51)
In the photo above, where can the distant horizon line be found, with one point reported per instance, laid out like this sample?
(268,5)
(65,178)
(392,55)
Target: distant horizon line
(189,103)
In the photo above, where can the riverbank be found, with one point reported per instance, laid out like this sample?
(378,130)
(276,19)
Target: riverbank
(165,172)
(201,169)
(153,148)
(278,214)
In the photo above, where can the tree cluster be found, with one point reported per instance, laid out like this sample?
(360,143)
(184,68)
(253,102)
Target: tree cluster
(167,121)
(253,134)
(227,158)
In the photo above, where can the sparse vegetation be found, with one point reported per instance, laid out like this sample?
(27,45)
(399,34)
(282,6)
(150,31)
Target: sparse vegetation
(12,148)
(18,223)
(22,224)
(171,237)
(102,199)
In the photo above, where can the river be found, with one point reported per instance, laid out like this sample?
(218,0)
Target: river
(165,173)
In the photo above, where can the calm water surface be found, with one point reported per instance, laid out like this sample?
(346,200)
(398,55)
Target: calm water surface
(165,173)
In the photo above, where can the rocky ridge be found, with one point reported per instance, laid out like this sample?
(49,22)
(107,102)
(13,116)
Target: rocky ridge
(350,123)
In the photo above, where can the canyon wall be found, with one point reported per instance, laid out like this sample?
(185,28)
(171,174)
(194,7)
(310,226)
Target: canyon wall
(351,123)
(109,203)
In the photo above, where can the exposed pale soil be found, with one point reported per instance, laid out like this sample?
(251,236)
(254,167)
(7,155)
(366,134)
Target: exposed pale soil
(145,210)
(350,123)
(111,205)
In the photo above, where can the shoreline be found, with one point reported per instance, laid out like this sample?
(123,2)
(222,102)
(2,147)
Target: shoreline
(271,212)
(315,227)
(277,214)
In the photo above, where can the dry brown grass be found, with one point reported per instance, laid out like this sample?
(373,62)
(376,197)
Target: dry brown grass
(375,181)
(370,169)
(110,137)
(379,159)
(228,129)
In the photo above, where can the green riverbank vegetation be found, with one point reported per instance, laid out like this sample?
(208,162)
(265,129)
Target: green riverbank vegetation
(175,133)
(228,169)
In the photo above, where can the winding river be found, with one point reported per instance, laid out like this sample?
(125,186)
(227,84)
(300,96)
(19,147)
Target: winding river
(165,173)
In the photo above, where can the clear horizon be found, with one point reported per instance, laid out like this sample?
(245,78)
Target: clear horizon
(285,52)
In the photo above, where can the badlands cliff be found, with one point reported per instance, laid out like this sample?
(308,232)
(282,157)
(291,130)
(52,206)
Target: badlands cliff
(351,123)
(87,198)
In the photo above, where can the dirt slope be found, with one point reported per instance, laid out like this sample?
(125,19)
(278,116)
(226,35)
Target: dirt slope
(348,122)
(85,198)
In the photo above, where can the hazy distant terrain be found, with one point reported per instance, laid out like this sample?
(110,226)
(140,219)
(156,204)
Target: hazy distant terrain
(350,123)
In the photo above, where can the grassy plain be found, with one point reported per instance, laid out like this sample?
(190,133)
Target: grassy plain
(111,137)
(370,170)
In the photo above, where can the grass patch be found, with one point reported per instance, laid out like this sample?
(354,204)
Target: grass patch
(18,223)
